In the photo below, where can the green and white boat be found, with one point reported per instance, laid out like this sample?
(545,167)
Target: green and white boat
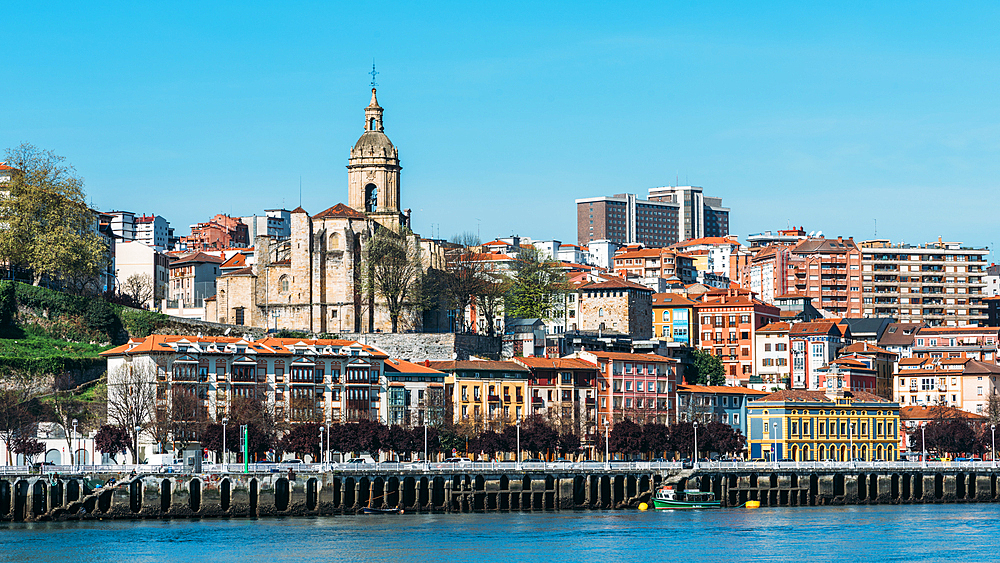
(666,498)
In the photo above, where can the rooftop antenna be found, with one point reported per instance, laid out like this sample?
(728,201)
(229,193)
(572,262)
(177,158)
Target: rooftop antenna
(373,73)
(876,227)
(300,190)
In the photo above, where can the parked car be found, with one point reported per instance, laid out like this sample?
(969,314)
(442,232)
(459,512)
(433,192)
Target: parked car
(357,461)
(533,460)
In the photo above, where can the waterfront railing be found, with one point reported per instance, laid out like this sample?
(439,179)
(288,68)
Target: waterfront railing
(502,466)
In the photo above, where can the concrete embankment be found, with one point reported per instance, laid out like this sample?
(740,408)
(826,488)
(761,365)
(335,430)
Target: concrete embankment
(236,495)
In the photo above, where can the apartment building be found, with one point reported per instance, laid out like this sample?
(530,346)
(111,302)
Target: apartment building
(663,263)
(564,390)
(882,361)
(639,387)
(940,283)
(486,394)
(153,230)
(961,383)
(772,357)
(698,215)
(721,256)
(814,344)
(716,403)
(975,342)
(674,318)
(670,214)
(727,324)
(414,394)
(192,279)
(300,380)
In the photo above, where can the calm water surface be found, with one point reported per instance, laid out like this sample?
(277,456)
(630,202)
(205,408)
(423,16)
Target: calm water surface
(867,533)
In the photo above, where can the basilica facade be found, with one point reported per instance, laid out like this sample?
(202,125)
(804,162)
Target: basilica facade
(312,281)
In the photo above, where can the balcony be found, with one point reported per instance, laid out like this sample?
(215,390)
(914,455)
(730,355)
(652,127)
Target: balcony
(537,401)
(493,398)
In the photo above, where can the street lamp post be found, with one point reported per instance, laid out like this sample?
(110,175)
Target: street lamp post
(519,443)
(322,452)
(607,445)
(774,448)
(850,436)
(695,464)
(135,452)
(923,446)
(224,452)
(993,447)
(426,461)
(73,447)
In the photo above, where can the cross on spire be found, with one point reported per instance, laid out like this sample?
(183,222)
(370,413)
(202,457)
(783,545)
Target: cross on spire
(373,73)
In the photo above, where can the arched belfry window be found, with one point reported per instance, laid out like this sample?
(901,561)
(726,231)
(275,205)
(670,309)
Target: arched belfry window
(371,198)
(371,124)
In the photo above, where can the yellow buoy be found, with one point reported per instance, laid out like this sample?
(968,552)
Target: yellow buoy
(753,504)
(643,506)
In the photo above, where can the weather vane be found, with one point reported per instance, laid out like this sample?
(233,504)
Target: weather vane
(373,73)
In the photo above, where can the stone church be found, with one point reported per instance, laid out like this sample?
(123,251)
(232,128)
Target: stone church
(312,281)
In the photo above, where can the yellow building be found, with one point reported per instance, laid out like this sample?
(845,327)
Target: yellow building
(799,425)
(487,394)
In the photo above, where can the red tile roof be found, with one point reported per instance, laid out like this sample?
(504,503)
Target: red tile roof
(615,283)
(865,348)
(720,389)
(235,261)
(476,365)
(626,357)
(917,412)
(197,257)
(555,363)
(395,365)
(339,210)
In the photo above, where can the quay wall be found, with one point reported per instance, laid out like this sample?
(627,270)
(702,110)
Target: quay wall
(253,495)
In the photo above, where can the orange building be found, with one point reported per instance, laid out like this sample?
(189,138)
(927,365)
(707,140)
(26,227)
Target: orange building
(727,324)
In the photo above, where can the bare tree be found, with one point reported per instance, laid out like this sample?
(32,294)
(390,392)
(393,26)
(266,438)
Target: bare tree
(490,302)
(139,287)
(132,396)
(392,270)
(65,409)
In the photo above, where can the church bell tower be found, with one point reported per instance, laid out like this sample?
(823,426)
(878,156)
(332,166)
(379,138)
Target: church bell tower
(373,170)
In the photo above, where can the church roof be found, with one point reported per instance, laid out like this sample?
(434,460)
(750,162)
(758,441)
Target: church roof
(374,141)
(340,210)
(300,210)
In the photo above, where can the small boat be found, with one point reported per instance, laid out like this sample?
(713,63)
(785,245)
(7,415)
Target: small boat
(367,510)
(666,498)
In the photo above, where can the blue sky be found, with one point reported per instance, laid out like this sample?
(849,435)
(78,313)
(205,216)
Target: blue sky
(827,116)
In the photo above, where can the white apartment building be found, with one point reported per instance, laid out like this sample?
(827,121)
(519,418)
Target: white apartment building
(134,257)
(152,230)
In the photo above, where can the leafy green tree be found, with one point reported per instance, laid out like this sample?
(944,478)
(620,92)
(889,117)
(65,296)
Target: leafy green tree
(8,311)
(705,369)
(538,282)
(48,226)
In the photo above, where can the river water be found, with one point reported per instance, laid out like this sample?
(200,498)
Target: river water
(954,532)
